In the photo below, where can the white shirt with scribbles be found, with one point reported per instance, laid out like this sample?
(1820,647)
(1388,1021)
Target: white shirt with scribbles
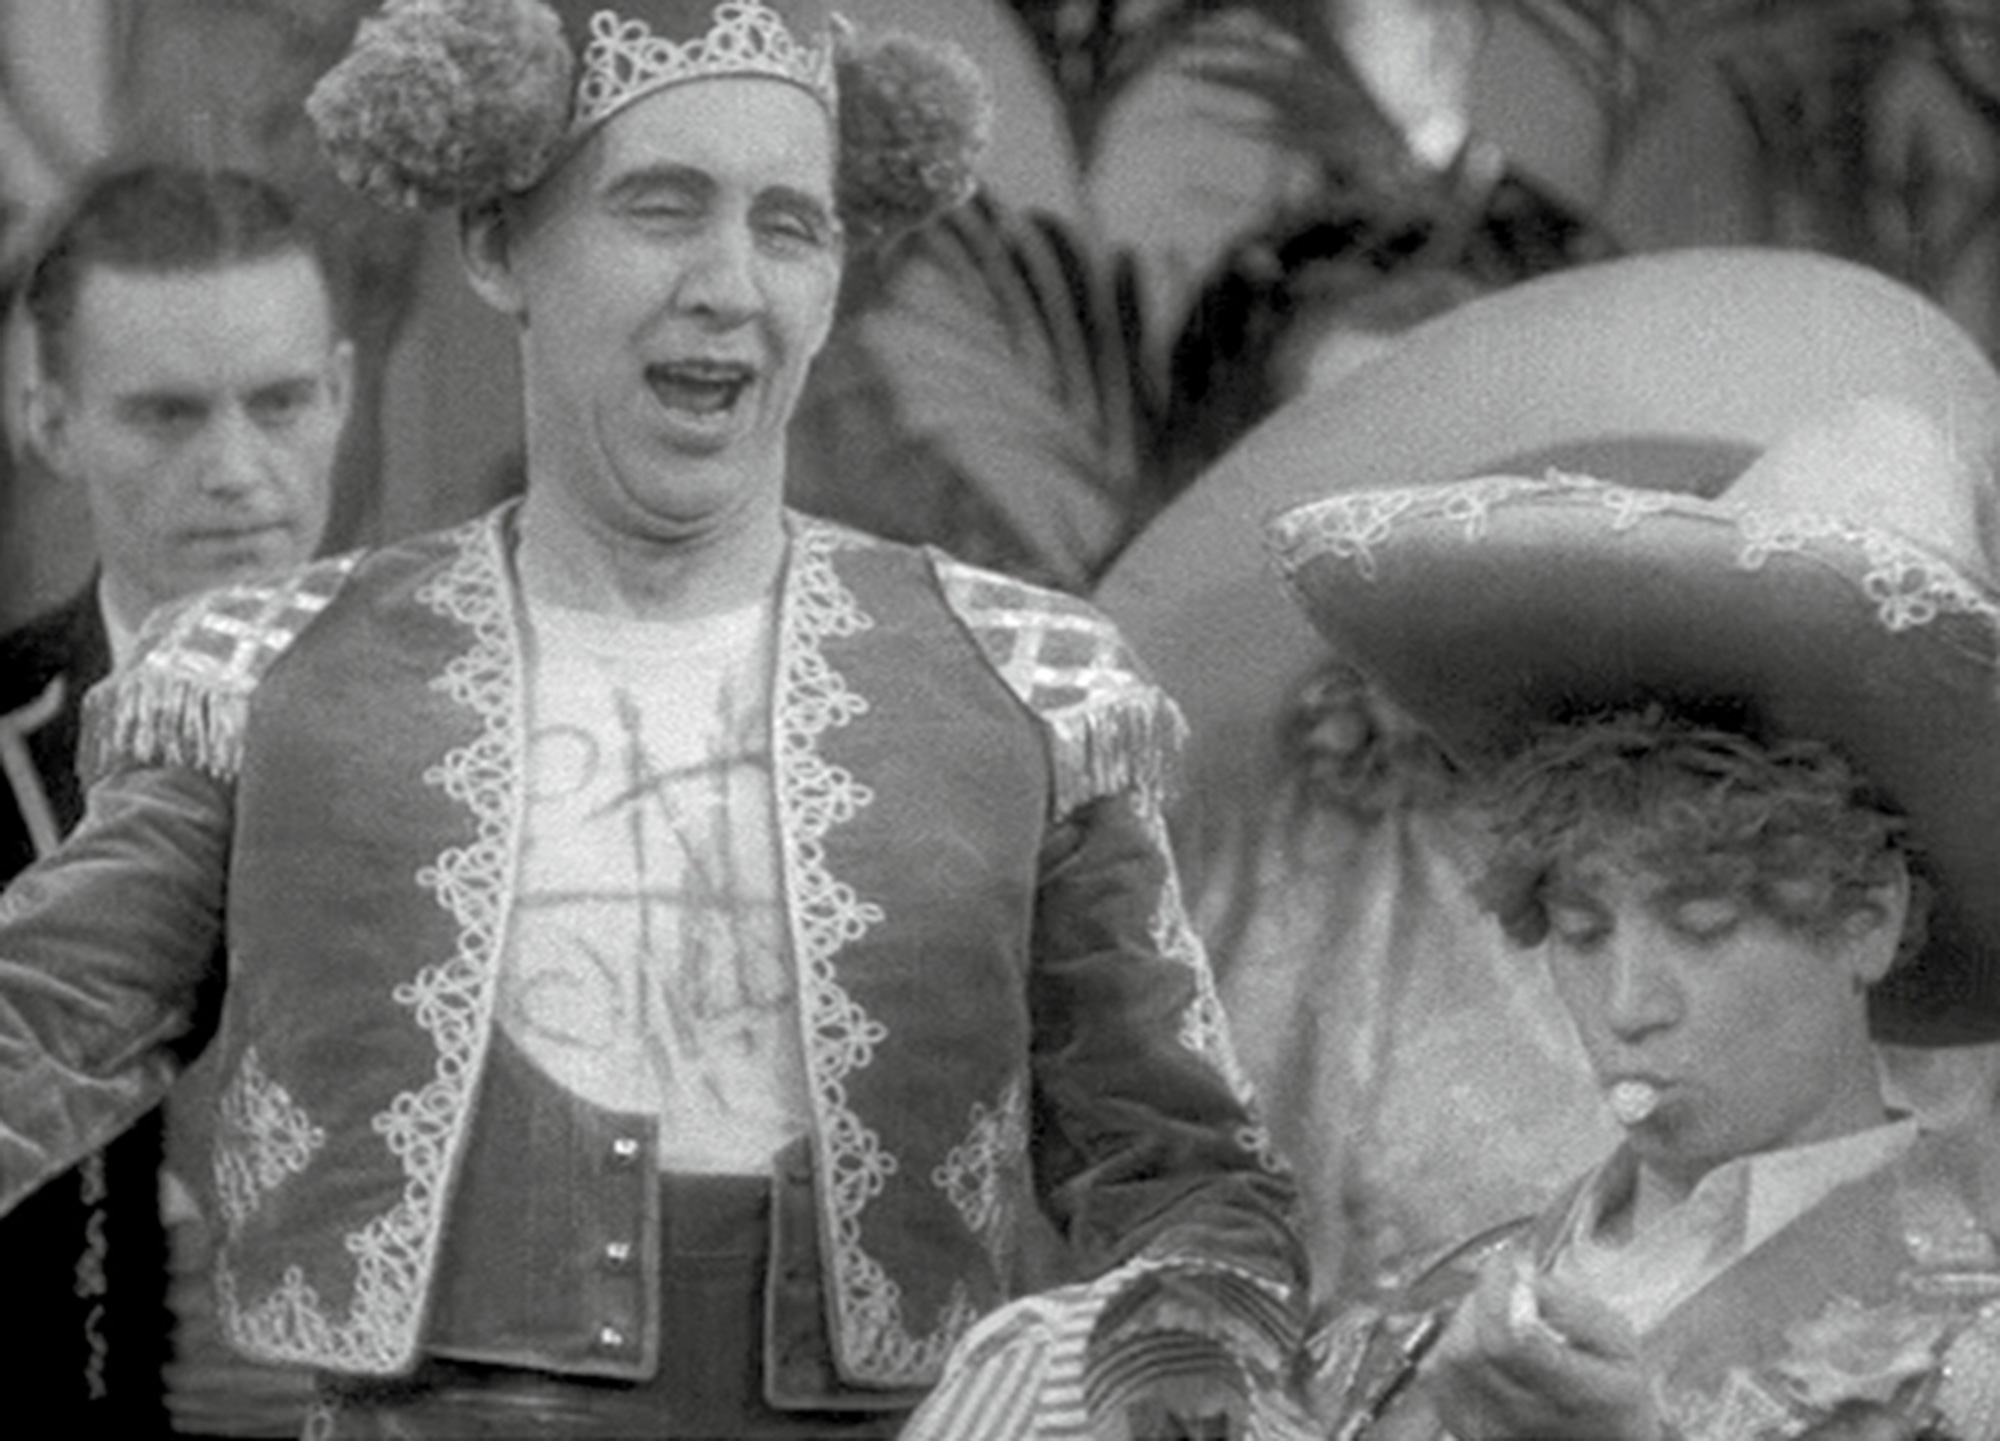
(647,967)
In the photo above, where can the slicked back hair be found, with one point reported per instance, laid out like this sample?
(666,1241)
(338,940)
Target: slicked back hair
(157,218)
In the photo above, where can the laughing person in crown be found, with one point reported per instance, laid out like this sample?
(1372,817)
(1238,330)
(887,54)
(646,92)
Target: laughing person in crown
(677,963)
(1743,758)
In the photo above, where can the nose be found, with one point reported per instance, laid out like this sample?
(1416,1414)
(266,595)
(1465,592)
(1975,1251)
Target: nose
(238,459)
(1641,994)
(720,281)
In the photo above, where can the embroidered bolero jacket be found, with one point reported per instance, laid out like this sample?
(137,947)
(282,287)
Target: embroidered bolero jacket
(319,780)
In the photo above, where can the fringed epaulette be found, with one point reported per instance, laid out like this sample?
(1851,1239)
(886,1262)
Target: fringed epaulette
(184,698)
(1111,727)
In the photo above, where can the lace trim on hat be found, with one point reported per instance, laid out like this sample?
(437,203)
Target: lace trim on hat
(626,60)
(1909,586)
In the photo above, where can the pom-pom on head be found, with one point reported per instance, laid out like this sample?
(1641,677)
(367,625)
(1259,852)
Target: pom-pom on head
(914,120)
(446,102)
(457,102)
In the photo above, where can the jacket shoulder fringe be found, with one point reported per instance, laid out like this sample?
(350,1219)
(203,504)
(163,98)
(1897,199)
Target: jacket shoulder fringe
(184,697)
(1111,728)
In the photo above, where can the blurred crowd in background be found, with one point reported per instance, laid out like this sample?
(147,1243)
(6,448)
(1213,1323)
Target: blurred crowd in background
(1191,210)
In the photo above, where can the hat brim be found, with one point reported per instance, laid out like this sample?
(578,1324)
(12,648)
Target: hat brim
(1555,606)
(1673,369)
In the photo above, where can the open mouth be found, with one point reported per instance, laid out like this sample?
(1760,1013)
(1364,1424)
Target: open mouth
(700,387)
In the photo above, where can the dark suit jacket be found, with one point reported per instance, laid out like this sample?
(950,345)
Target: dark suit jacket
(69,643)
(84,1330)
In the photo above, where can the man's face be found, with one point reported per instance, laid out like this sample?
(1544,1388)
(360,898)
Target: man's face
(201,411)
(675,279)
(1750,1035)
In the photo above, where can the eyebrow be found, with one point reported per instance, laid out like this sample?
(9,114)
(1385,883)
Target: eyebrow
(653,178)
(693,181)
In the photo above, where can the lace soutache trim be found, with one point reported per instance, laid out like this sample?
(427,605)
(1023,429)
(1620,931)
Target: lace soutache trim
(1114,732)
(270,1137)
(1204,1028)
(827,915)
(1908,586)
(982,1174)
(626,60)
(450,999)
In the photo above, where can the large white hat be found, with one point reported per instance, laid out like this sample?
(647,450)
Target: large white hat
(1673,370)
(1841,589)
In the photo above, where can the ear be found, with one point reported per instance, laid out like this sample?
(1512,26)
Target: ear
(484,250)
(1875,931)
(340,380)
(45,415)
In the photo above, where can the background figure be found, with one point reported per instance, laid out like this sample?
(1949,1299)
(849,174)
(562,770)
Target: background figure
(1739,757)
(193,384)
(1323,839)
(600,881)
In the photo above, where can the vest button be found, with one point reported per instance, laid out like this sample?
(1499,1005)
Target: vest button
(625,1151)
(618,1255)
(610,1338)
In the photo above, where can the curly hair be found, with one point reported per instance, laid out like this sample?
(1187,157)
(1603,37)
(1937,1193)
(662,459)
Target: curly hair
(1790,827)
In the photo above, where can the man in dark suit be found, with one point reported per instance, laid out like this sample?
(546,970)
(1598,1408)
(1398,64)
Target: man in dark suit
(193,379)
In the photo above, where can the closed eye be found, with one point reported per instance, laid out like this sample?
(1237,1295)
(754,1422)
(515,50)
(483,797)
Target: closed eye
(794,220)
(1706,918)
(1578,928)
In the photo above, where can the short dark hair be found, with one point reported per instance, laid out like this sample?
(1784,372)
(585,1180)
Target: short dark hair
(1789,827)
(158,218)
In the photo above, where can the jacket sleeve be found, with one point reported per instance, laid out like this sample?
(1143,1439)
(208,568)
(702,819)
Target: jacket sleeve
(1148,1153)
(105,946)
(1148,1144)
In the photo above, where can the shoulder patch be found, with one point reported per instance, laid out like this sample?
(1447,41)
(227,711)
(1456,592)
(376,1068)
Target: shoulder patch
(185,696)
(1111,726)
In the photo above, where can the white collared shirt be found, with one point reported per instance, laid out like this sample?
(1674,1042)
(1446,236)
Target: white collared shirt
(1732,1211)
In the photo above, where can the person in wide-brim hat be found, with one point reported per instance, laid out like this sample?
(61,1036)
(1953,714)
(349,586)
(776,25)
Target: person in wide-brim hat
(1840,589)
(1672,369)
(1393,1032)
(1740,753)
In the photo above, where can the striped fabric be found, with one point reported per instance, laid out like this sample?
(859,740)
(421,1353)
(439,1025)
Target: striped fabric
(1021,1374)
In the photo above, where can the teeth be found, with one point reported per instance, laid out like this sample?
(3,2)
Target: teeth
(1633,1101)
(699,385)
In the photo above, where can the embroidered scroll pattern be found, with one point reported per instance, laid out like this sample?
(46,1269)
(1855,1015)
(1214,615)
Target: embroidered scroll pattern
(1908,585)
(981,1173)
(827,915)
(449,999)
(266,1137)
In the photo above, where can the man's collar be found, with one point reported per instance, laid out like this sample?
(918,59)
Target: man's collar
(1764,1192)
(123,636)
